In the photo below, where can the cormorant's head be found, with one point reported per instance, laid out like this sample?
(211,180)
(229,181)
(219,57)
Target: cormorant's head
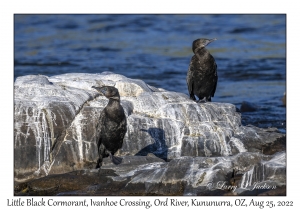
(109,92)
(201,43)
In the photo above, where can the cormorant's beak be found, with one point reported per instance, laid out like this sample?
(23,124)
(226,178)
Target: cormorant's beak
(99,89)
(209,41)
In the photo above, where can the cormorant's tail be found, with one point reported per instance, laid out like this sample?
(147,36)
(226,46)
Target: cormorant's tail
(115,160)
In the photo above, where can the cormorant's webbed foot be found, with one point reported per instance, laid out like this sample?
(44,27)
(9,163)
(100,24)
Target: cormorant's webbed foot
(204,100)
(192,97)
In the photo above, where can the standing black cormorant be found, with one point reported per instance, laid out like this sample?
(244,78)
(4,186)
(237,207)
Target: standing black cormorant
(202,74)
(112,126)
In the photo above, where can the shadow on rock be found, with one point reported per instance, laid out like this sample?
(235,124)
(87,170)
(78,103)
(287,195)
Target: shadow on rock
(159,147)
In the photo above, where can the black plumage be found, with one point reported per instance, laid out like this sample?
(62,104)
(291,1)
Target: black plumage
(112,126)
(202,75)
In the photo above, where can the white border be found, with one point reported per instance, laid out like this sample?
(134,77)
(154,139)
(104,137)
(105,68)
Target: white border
(8,8)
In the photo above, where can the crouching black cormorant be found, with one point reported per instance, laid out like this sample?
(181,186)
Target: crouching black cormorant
(112,126)
(202,74)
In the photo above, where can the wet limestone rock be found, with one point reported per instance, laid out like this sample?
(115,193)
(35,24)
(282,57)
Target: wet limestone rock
(241,174)
(56,117)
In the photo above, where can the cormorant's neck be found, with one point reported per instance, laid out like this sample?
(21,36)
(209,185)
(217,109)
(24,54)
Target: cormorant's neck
(202,52)
(114,110)
(114,100)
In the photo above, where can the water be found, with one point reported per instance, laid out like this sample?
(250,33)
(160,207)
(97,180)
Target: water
(250,52)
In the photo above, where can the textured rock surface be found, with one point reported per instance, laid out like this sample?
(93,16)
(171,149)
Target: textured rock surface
(56,117)
(149,175)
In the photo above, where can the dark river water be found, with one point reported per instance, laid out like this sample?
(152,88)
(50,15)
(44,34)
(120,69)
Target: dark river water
(250,52)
